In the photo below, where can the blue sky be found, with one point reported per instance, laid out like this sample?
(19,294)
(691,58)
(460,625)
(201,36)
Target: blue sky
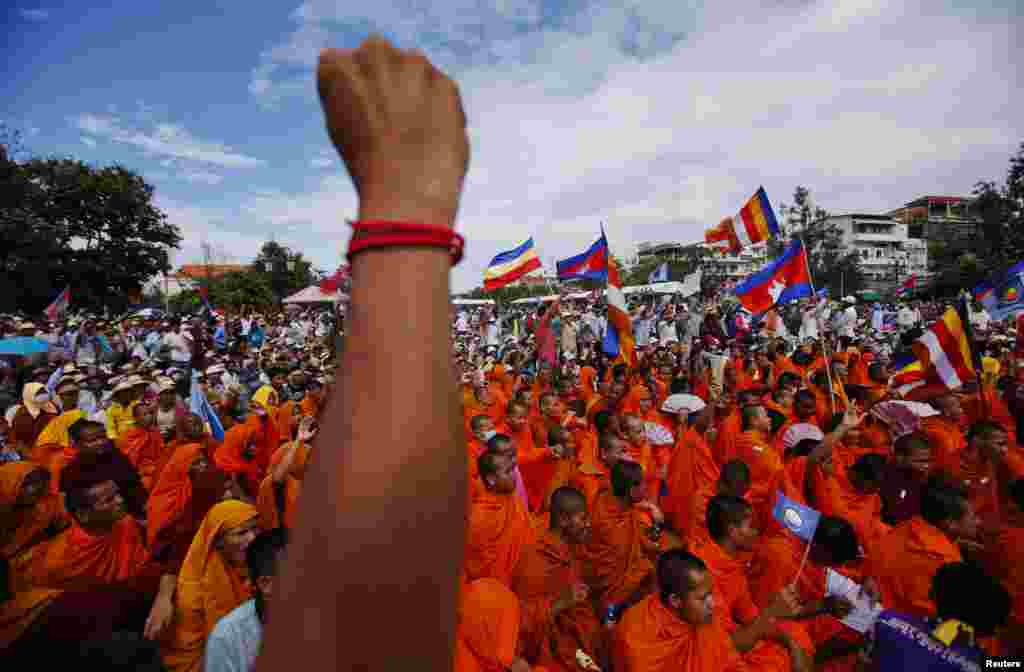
(656,117)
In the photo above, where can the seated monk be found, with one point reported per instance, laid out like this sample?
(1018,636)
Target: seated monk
(499,525)
(904,478)
(93,453)
(562,444)
(486,400)
(692,466)
(859,504)
(280,491)
(985,469)
(777,561)
(618,555)
(638,449)
(733,481)
(944,431)
(503,443)
(102,545)
(779,406)
(487,633)
(904,561)
(675,628)
(593,476)
(239,455)
(754,446)
(29,513)
(1005,559)
(212,582)
(143,445)
(767,638)
(557,617)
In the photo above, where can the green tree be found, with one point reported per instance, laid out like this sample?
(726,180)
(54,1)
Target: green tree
(283,270)
(64,222)
(831,265)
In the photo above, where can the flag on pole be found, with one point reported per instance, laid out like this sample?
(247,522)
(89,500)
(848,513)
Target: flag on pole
(908,287)
(200,405)
(660,274)
(754,223)
(592,264)
(945,351)
(332,283)
(618,337)
(509,266)
(783,280)
(56,310)
(799,519)
(1003,297)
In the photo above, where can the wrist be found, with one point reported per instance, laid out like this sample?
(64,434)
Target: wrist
(408,208)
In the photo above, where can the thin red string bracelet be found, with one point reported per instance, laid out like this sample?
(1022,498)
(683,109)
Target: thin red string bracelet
(379,233)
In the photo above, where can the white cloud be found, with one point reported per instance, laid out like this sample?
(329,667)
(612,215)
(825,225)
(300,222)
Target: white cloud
(202,177)
(38,15)
(167,140)
(87,141)
(658,124)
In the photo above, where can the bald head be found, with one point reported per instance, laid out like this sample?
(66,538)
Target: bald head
(566,502)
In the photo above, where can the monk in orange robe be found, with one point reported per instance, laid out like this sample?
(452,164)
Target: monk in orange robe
(985,469)
(767,638)
(29,514)
(499,524)
(776,563)
(618,555)
(944,431)
(692,465)
(485,400)
(487,634)
(562,443)
(858,503)
(279,493)
(212,582)
(638,449)
(904,561)
(733,481)
(102,546)
(537,464)
(143,445)
(593,476)
(1005,559)
(754,446)
(557,618)
(674,630)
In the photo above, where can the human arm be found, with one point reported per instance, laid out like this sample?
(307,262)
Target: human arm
(162,612)
(383,512)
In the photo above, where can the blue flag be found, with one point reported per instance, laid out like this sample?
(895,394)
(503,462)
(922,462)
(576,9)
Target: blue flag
(660,274)
(200,405)
(799,519)
(1003,297)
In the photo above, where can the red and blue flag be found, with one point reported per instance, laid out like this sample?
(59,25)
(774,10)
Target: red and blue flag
(785,279)
(592,264)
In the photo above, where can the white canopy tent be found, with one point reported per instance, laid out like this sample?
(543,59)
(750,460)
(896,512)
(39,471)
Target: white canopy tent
(473,302)
(312,294)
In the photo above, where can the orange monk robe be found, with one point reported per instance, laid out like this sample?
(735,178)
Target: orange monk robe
(309,407)
(144,448)
(588,383)
(595,405)
(783,365)
(274,514)
(231,460)
(947,441)
(24,608)
(734,607)
(547,567)
(651,638)
(172,492)
(496,410)
(985,483)
(775,564)
(591,478)
(586,444)
(766,472)
(77,558)
(536,463)
(287,419)
(208,588)
(300,463)
(875,436)
(487,634)
(1006,562)
(692,470)
(501,376)
(858,371)
(618,553)
(838,498)
(566,471)
(23,529)
(904,562)
(730,425)
(499,531)
(54,438)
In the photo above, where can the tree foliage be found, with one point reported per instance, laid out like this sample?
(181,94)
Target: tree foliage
(64,222)
(832,266)
(289,271)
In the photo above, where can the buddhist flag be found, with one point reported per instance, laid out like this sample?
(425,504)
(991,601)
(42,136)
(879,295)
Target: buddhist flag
(945,351)
(754,223)
(618,337)
(509,266)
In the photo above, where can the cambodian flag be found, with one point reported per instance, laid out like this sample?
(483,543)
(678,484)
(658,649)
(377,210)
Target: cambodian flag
(59,306)
(592,264)
(618,337)
(785,279)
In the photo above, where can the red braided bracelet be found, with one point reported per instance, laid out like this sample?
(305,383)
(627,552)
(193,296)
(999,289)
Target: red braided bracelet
(389,233)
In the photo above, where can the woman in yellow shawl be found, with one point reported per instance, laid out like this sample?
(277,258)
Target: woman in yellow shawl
(213,581)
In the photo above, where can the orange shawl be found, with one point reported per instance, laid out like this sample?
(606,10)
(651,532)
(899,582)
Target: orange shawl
(650,638)
(300,463)
(616,553)
(144,448)
(208,588)
(488,627)
(229,457)
(947,440)
(904,562)
(25,528)
(78,559)
(499,530)
(266,502)
(547,567)
(172,492)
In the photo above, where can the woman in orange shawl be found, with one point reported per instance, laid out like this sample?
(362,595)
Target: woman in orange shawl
(248,447)
(213,581)
(279,492)
(28,513)
(487,634)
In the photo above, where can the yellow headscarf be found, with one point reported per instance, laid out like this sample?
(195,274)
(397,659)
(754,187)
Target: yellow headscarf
(264,396)
(28,400)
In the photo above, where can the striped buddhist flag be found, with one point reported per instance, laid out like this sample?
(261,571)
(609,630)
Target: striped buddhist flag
(754,223)
(945,351)
(509,266)
(618,337)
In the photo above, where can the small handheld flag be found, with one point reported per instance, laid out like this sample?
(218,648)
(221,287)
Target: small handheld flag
(660,274)
(799,519)
(200,405)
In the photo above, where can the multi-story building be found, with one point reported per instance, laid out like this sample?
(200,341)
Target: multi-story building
(946,219)
(888,254)
(715,264)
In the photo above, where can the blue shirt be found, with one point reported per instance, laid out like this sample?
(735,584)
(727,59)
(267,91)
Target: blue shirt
(902,642)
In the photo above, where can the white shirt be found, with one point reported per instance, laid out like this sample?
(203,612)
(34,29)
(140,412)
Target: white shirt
(234,642)
(181,352)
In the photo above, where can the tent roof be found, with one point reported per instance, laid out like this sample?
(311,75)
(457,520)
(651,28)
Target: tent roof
(312,294)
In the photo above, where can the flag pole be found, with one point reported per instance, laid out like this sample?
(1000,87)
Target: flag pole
(824,347)
(803,561)
(965,317)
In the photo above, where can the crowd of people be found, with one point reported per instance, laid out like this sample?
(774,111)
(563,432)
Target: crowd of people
(585,511)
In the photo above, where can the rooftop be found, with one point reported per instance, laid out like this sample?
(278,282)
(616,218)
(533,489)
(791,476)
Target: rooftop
(196,271)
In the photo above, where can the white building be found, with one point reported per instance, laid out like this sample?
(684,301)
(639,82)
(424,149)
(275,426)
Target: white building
(888,256)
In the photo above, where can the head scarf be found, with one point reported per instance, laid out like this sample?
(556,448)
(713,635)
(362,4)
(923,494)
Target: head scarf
(28,400)
(173,497)
(33,521)
(262,397)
